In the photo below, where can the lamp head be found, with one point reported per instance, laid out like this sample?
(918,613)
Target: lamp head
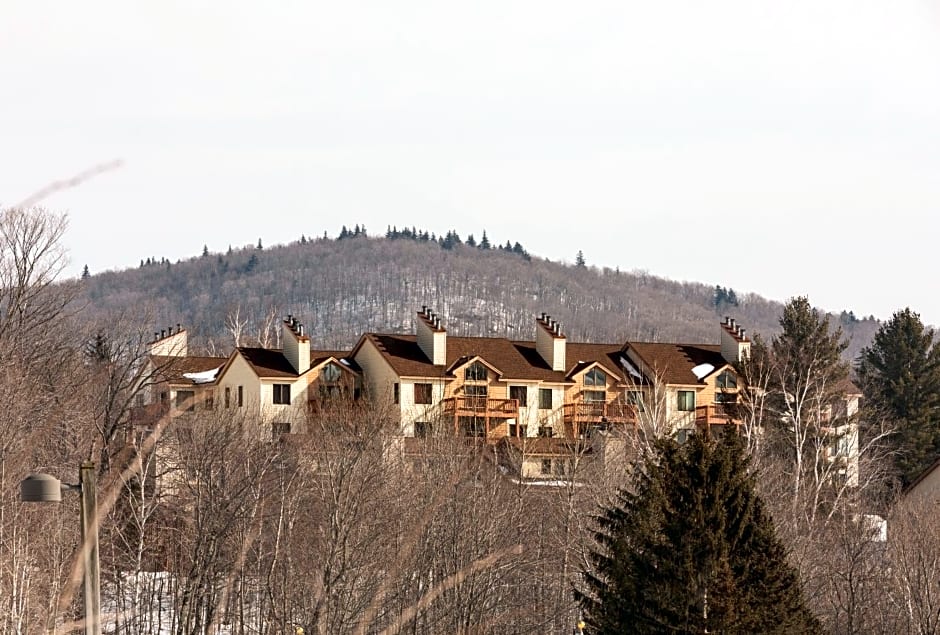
(41,488)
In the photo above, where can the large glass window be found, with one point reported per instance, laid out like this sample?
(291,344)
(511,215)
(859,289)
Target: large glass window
(476,395)
(595,396)
(475,372)
(727,379)
(331,373)
(595,377)
(686,400)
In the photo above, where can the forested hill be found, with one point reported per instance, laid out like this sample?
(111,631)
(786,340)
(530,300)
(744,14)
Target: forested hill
(342,288)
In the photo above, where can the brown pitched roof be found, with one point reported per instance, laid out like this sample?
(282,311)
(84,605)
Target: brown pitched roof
(514,359)
(171,368)
(581,356)
(271,362)
(674,362)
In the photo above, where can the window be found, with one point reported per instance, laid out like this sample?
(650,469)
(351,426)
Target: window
(727,379)
(280,427)
(228,396)
(594,396)
(422,393)
(210,399)
(595,377)
(473,426)
(682,436)
(475,395)
(635,399)
(330,391)
(725,397)
(520,394)
(185,400)
(396,393)
(546,466)
(241,397)
(281,394)
(331,373)
(475,372)
(545,398)
(686,400)
(423,429)
(546,431)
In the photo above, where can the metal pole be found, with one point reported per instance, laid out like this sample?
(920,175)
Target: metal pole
(92,589)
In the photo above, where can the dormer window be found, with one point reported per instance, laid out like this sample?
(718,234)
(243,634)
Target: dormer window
(595,377)
(331,373)
(727,380)
(475,372)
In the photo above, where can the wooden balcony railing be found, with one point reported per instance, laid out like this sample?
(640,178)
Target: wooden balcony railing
(485,407)
(598,412)
(716,414)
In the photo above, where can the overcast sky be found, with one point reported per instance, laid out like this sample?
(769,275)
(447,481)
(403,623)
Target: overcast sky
(787,148)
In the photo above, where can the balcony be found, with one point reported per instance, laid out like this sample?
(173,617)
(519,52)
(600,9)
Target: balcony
(484,407)
(716,416)
(598,412)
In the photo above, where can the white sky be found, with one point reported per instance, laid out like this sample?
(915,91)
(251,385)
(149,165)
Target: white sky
(779,147)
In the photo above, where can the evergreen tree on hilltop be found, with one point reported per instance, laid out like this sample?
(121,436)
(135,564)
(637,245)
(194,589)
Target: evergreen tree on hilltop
(484,242)
(579,260)
(900,375)
(85,273)
(691,550)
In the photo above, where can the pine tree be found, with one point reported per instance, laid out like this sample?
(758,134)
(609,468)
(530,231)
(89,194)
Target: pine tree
(471,241)
(98,349)
(691,550)
(484,242)
(900,375)
(205,251)
(808,355)
(259,245)
(85,273)
(579,259)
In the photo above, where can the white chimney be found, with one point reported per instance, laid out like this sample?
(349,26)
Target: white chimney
(170,343)
(734,343)
(432,337)
(296,344)
(550,342)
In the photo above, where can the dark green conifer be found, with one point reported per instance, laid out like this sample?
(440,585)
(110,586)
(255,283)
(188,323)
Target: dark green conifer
(900,375)
(691,550)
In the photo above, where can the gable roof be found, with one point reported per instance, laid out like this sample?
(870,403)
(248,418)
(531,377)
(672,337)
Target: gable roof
(170,368)
(580,357)
(921,478)
(673,363)
(271,362)
(516,360)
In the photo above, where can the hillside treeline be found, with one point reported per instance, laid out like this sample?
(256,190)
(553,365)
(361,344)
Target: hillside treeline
(343,288)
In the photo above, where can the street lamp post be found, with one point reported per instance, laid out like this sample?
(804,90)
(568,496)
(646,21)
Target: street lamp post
(40,488)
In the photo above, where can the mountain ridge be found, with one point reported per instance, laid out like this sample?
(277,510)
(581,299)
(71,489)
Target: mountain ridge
(341,288)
